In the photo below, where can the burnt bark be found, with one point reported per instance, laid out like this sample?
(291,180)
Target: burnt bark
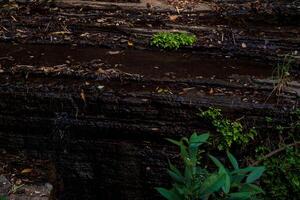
(110,144)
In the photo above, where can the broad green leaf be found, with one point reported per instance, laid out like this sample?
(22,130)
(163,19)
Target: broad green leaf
(253,189)
(174,169)
(226,187)
(216,161)
(194,143)
(185,139)
(184,154)
(239,196)
(237,179)
(232,160)
(180,189)
(222,170)
(175,177)
(194,146)
(212,183)
(193,151)
(244,170)
(168,194)
(178,143)
(199,138)
(188,174)
(255,174)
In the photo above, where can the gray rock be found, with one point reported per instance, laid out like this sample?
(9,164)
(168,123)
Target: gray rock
(33,192)
(4,185)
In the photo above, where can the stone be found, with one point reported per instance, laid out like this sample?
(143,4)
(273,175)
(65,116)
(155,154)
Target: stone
(4,185)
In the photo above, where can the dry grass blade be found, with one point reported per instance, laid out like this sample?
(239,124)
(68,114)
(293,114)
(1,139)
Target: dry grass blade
(282,75)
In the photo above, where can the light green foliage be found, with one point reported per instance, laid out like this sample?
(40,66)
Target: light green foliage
(169,41)
(282,74)
(296,120)
(282,179)
(287,129)
(269,119)
(279,128)
(282,71)
(196,182)
(231,131)
(297,112)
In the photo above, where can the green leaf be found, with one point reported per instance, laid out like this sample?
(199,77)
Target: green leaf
(194,142)
(239,196)
(222,170)
(199,138)
(193,152)
(168,194)
(255,174)
(212,184)
(232,160)
(216,161)
(183,152)
(237,179)
(188,174)
(253,189)
(244,170)
(178,143)
(177,178)
(174,169)
(180,189)
(226,187)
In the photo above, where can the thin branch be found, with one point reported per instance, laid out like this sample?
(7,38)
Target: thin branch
(272,153)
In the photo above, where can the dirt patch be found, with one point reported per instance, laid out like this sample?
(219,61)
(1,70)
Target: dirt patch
(248,34)
(24,178)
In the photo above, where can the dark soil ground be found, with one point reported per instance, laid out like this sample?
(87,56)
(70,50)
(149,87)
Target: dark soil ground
(25,178)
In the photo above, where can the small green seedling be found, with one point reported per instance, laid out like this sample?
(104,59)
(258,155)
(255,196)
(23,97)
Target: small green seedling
(197,183)
(169,41)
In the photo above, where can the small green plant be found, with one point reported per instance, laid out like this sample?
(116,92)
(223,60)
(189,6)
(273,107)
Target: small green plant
(282,178)
(287,129)
(279,129)
(3,198)
(296,112)
(196,182)
(166,40)
(280,154)
(231,131)
(296,119)
(269,119)
(282,74)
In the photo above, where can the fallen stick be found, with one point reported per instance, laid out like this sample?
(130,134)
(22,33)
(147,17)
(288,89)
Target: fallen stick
(272,153)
